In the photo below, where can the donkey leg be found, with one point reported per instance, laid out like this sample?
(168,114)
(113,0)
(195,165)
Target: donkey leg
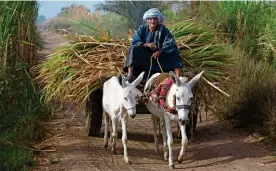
(114,134)
(164,134)
(106,121)
(154,122)
(110,130)
(170,140)
(184,142)
(124,136)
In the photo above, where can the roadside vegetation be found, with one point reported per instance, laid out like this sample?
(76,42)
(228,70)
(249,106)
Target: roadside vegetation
(20,105)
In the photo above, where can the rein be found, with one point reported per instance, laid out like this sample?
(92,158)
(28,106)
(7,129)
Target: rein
(150,71)
(151,67)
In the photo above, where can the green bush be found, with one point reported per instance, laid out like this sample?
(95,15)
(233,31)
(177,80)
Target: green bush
(59,23)
(253,96)
(13,158)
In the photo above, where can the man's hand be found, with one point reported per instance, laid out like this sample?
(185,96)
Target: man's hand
(156,54)
(150,45)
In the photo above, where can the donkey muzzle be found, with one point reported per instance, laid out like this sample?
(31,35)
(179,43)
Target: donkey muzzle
(132,111)
(184,121)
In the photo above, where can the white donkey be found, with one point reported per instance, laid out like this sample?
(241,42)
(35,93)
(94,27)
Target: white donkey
(183,93)
(119,101)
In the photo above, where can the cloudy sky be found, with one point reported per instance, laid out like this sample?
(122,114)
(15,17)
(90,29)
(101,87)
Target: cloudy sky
(51,8)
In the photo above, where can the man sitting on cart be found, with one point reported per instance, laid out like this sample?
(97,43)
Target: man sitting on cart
(153,40)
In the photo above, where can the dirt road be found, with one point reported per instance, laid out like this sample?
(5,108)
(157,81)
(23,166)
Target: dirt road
(52,41)
(215,148)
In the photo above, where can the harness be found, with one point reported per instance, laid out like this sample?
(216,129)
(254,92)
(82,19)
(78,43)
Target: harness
(159,92)
(182,107)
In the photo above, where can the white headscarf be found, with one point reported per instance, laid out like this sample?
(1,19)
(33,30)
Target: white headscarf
(154,12)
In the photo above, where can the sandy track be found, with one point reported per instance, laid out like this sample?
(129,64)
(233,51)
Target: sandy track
(214,148)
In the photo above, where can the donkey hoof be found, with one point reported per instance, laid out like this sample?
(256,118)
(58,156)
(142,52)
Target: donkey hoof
(127,161)
(172,166)
(105,146)
(179,159)
(166,157)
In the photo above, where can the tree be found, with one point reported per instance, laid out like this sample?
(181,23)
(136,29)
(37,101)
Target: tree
(133,11)
(40,19)
(73,9)
(64,11)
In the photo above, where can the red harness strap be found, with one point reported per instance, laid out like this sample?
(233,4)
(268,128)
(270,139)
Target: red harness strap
(161,92)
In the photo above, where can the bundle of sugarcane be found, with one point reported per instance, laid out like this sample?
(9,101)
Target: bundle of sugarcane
(78,68)
(200,49)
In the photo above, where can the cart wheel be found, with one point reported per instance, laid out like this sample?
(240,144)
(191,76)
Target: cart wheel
(94,113)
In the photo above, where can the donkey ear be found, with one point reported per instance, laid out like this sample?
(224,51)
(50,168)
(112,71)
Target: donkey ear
(123,80)
(149,82)
(194,80)
(138,79)
(174,78)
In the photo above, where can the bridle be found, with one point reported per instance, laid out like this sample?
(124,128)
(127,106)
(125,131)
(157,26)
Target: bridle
(182,107)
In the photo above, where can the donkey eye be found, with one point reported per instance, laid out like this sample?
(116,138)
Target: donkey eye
(178,98)
(125,98)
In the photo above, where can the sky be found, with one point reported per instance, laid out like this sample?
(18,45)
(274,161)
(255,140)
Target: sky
(50,8)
